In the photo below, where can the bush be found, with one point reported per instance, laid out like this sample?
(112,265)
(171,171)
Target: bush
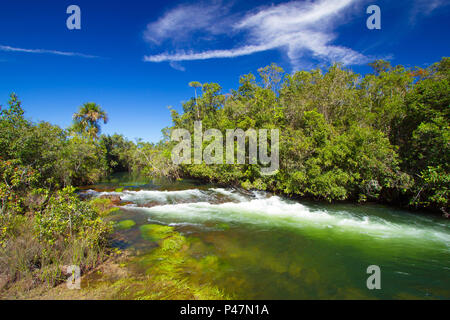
(66,217)
(68,231)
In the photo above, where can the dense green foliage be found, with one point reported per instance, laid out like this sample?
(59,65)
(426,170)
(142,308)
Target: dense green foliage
(381,137)
(59,157)
(43,224)
(150,159)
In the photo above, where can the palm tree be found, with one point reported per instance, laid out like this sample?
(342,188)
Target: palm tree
(88,118)
(195,85)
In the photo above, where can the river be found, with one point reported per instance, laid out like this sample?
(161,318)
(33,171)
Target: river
(254,245)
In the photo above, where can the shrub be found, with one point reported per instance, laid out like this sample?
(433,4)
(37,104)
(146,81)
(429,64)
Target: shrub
(66,217)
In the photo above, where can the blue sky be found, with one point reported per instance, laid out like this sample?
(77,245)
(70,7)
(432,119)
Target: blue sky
(135,58)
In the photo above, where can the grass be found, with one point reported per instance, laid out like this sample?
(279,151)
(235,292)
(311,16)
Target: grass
(27,262)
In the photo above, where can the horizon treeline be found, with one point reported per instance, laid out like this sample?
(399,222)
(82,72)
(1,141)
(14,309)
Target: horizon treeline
(380,137)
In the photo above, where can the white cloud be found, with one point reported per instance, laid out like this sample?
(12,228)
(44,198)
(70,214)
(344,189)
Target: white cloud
(43,51)
(180,23)
(298,28)
(189,56)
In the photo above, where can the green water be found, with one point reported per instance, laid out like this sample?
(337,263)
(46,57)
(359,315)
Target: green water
(260,246)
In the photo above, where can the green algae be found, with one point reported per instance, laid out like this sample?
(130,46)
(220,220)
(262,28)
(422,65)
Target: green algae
(125,224)
(168,269)
(174,243)
(155,232)
(223,226)
(209,263)
(163,288)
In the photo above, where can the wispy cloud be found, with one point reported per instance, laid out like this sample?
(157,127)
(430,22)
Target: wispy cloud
(189,56)
(43,51)
(300,29)
(180,23)
(425,8)
(177,66)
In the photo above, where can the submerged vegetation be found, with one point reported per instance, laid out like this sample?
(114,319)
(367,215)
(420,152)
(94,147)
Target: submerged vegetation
(380,137)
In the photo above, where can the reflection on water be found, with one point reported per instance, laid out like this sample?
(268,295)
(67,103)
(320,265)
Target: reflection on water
(258,246)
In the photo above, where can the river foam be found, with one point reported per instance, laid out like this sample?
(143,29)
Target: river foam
(278,212)
(259,208)
(144,196)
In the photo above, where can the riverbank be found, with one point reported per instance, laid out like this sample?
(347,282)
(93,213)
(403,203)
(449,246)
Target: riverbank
(256,245)
(187,240)
(120,277)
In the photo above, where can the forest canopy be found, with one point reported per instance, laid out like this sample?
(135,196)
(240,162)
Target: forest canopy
(380,137)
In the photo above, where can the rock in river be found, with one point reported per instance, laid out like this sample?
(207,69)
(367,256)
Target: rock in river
(114,199)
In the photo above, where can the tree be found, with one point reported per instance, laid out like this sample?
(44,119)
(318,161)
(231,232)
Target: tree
(119,152)
(195,85)
(88,118)
(271,76)
(380,66)
(12,127)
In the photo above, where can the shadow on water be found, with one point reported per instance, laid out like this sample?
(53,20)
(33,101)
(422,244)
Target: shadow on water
(131,181)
